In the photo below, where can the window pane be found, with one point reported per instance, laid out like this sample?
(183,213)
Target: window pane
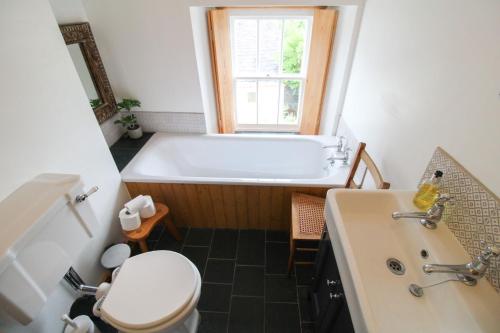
(270,34)
(289,102)
(268,101)
(246,101)
(293,45)
(245,45)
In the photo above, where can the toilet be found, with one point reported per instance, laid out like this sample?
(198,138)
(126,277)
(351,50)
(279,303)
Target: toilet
(153,292)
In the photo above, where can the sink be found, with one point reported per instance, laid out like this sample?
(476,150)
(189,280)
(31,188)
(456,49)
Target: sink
(364,236)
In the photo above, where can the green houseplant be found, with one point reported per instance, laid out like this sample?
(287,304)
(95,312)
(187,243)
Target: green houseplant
(128,120)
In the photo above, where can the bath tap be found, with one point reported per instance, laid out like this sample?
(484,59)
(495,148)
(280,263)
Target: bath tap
(343,156)
(468,273)
(341,145)
(430,218)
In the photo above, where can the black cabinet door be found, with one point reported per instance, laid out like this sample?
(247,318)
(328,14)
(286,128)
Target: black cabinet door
(326,276)
(329,322)
(330,308)
(343,324)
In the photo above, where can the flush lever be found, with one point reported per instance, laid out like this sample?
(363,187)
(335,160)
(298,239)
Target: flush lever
(82,197)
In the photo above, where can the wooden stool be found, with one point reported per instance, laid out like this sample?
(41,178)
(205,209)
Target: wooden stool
(141,234)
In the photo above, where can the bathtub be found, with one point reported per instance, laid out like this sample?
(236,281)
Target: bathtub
(232,180)
(243,159)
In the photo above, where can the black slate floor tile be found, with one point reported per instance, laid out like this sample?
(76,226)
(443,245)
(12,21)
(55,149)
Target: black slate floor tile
(305,305)
(83,306)
(282,318)
(199,237)
(215,297)
(198,255)
(249,281)
(167,242)
(277,258)
(281,289)
(219,271)
(212,322)
(251,247)
(277,236)
(224,244)
(305,256)
(259,296)
(247,315)
(304,274)
(307,328)
(156,232)
(135,249)
(151,244)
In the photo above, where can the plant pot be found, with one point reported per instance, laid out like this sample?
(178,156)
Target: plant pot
(135,133)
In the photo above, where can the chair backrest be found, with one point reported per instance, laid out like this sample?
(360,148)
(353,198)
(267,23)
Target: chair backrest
(362,163)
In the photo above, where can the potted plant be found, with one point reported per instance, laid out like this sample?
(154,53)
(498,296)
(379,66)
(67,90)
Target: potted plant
(128,119)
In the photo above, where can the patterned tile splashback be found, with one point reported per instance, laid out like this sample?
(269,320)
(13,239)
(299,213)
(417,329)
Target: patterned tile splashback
(475,214)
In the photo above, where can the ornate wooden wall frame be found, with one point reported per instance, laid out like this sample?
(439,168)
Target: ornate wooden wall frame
(82,34)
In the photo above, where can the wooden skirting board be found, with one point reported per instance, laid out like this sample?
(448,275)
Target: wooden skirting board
(226,206)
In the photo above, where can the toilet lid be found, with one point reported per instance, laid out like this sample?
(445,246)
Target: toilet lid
(150,288)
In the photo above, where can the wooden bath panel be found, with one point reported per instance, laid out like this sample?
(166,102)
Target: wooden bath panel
(226,206)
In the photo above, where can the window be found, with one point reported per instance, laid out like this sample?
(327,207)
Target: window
(263,79)
(269,61)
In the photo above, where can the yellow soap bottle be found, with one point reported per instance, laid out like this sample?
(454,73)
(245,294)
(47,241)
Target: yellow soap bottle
(428,191)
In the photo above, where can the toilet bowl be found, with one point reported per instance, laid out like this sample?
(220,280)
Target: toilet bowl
(154,292)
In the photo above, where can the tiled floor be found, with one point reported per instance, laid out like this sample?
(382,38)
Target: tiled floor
(245,287)
(125,149)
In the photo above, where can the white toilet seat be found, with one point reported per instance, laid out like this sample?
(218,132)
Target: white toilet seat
(153,292)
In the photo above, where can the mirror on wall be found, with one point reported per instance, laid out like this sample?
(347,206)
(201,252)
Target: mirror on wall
(84,74)
(85,55)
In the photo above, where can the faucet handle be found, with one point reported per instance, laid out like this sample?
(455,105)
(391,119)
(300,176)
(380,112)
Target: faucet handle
(489,251)
(341,146)
(346,155)
(443,198)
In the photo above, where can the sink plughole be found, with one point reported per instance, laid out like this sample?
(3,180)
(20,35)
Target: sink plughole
(364,236)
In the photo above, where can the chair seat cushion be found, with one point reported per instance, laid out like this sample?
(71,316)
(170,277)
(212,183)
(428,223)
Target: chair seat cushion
(308,211)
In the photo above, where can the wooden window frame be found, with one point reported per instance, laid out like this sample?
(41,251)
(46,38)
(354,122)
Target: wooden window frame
(258,14)
(320,54)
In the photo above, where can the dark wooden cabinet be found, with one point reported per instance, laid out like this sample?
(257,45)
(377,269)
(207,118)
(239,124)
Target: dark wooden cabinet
(330,308)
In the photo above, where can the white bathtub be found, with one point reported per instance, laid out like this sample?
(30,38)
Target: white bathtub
(240,159)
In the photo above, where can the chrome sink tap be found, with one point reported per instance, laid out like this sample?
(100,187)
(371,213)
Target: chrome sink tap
(468,273)
(430,218)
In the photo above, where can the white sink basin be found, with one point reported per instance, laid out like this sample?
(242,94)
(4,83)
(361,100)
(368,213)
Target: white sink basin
(364,236)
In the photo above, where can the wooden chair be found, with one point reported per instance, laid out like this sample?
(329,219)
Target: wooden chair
(369,166)
(307,210)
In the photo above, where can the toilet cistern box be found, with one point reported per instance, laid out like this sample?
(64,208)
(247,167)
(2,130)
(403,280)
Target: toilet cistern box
(44,231)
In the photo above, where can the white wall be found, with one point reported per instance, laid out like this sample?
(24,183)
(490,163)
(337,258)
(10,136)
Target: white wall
(427,74)
(201,41)
(150,51)
(49,127)
(67,12)
(338,77)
